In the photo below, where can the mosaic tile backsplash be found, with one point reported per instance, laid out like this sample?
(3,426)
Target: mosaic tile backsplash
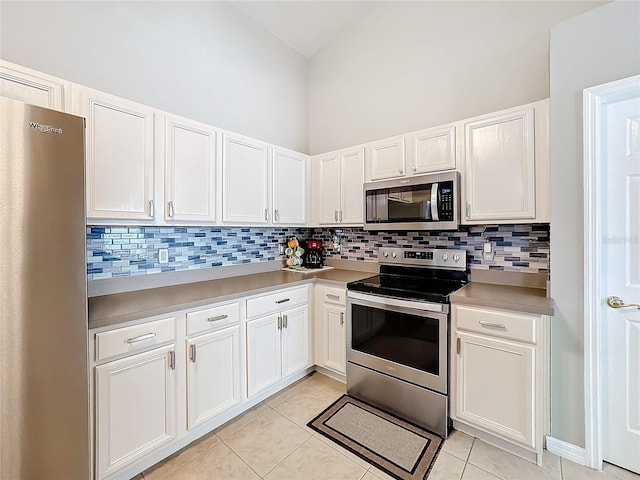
(126,251)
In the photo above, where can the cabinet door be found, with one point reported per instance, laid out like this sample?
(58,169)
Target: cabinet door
(500,166)
(213,374)
(329,189)
(387,159)
(432,150)
(135,408)
(264,357)
(296,353)
(190,165)
(289,187)
(352,178)
(32,87)
(335,338)
(120,155)
(495,387)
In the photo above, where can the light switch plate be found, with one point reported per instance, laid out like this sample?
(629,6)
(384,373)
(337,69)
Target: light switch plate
(163,255)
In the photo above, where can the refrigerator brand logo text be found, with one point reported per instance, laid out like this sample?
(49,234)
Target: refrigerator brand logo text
(45,128)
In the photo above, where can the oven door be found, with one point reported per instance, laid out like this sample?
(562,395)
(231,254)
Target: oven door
(400,338)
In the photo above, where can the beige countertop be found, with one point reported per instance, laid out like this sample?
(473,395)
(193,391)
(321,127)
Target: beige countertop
(117,308)
(508,297)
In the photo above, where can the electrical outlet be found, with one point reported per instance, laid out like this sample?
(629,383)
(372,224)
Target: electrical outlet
(487,251)
(281,248)
(163,255)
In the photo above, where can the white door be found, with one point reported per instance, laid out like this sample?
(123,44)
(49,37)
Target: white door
(135,408)
(213,374)
(387,158)
(119,156)
(620,240)
(335,338)
(245,191)
(329,189)
(296,354)
(432,150)
(264,354)
(190,166)
(289,187)
(352,179)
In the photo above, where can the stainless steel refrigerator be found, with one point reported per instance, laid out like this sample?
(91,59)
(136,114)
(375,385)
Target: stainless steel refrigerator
(44,390)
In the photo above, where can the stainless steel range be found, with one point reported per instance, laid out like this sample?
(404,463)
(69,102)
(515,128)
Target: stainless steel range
(398,334)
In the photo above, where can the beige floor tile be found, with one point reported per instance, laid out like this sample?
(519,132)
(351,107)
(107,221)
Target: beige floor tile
(573,471)
(315,460)
(471,472)
(283,395)
(219,462)
(363,463)
(508,466)
(447,467)
(326,384)
(369,476)
(240,421)
(458,444)
(266,441)
(380,474)
(305,405)
(175,461)
(620,473)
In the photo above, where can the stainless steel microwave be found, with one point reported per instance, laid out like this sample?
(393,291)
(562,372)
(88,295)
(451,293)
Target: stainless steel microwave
(425,202)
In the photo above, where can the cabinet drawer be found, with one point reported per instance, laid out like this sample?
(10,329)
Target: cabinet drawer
(497,323)
(276,302)
(135,338)
(211,319)
(334,295)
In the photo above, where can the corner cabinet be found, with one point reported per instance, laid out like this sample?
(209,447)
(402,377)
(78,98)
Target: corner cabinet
(120,155)
(498,375)
(505,163)
(339,177)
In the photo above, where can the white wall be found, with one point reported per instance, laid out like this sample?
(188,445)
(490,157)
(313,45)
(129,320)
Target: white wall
(594,48)
(203,60)
(411,65)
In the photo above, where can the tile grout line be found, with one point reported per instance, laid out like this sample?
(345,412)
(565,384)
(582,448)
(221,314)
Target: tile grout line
(290,453)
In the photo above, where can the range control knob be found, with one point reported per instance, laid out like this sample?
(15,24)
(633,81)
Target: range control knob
(445,257)
(456,258)
(394,254)
(385,254)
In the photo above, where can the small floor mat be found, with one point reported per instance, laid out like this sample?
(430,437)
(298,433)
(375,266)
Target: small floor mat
(399,448)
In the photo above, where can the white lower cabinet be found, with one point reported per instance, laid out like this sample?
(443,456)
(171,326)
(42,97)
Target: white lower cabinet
(135,407)
(213,374)
(331,329)
(498,375)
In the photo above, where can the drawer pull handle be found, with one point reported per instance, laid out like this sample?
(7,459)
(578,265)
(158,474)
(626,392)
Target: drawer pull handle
(284,300)
(141,338)
(492,325)
(216,318)
(333,297)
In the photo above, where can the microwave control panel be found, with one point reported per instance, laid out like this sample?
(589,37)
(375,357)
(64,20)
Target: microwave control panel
(445,204)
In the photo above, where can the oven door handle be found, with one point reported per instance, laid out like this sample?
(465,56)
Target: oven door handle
(381,302)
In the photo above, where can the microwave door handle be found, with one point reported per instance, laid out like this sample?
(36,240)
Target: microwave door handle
(434,202)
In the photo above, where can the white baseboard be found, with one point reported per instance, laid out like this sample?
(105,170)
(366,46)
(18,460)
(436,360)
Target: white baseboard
(566,450)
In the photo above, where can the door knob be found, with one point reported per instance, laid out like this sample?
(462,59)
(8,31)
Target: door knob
(617,302)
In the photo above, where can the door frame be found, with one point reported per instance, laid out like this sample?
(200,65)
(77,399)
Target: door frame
(593,100)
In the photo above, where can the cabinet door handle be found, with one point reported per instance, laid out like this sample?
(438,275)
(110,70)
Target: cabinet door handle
(172,360)
(414,168)
(401,171)
(285,321)
(340,216)
(468,209)
(279,322)
(332,296)
(151,208)
(266,214)
(192,353)
(284,300)
(171,211)
(341,318)
(335,216)
(458,346)
(492,325)
(216,318)
(141,338)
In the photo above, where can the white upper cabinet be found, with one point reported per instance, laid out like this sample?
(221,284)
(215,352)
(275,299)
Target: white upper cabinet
(432,150)
(289,187)
(338,177)
(387,159)
(245,190)
(119,156)
(32,87)
(190,171)
(506,166)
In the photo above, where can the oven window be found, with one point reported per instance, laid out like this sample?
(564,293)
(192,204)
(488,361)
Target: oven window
(409,340)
